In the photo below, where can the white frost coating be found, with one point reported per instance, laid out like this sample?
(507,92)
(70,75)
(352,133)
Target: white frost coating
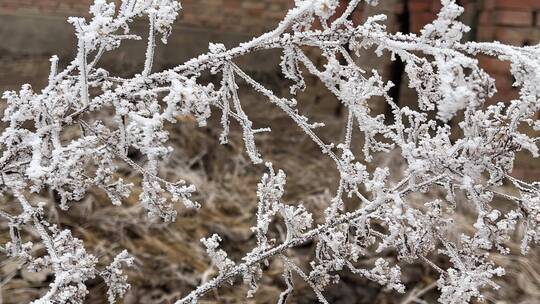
(115,279)
(469,166)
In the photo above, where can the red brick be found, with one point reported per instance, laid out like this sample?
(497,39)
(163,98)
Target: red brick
(489,4)
(232,4)
(398,8)
(505,89)
(517,4)
(436,5)
(515,18)
(419,20)
(494,65)
(486,18)
(253,5)
(419,5)
(486,33)
(8,7)
(516,36)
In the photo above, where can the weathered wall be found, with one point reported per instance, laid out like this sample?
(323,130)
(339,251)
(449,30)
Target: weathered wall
(27,26)
(33,30)
(225,15)
(515,22)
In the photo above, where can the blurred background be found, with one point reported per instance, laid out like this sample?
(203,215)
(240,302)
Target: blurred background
(170,260)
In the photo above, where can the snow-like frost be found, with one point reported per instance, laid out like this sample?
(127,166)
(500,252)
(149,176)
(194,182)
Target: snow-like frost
(470,165)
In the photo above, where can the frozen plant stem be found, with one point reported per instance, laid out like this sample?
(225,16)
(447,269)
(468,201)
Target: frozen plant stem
(469,160)
(259,257)
(150,49)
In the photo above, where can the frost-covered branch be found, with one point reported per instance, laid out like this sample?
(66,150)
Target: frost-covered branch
(469,161)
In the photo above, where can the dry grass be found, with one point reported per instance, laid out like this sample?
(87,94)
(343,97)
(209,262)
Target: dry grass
(170,259)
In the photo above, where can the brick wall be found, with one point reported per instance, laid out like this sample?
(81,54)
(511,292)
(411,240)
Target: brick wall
(515,22)
(511,21)
(224,15)
(48,7)
(235,15)
(38,29)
